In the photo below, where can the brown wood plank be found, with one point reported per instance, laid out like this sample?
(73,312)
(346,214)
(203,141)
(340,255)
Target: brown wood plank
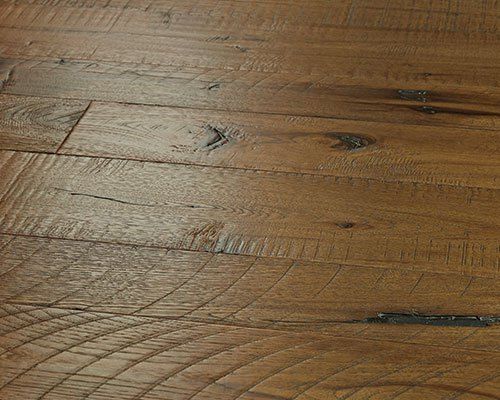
(233,289)
(350,52)
(37,124)
(349,220)
(233,199)
(465,21)
(474,18)
(52,353)
(119,4)
(298,94)
(55,17)
(395,151)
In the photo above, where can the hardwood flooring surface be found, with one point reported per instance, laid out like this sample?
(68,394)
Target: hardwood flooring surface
(262,200)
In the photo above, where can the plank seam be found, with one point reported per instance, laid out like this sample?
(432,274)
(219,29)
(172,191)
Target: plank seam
(73,128)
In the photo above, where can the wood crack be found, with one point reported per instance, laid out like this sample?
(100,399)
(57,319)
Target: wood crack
(106,198)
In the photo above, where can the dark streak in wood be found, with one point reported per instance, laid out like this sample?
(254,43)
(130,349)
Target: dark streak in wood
(345,225)
(350,142)
(213,86)
(456,111)
(414,95)
(427,110)
(94,196)
(434,320)
(218,38)
(241,48)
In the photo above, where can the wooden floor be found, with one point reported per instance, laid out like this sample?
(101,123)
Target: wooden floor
(252,200)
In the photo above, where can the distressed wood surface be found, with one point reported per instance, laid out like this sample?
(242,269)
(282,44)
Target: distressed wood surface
(210,32)
(266,200)
(273,16)
(392,152)
(31,123)
(322,218)
(52,353)
(299,94)
(254,291)
(216,49)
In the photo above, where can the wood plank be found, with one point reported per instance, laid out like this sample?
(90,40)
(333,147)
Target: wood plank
(182,241)
(233,289)
(298,94)
(54,17)
(119,4)
(393,152)
(37,124)
(350,52)
(349,220)
(465,21)
(290,17)
(54,353)
(201,35)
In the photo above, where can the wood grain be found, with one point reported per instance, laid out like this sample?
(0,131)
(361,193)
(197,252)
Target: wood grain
(349,51)
(348,220)
(31,123)
(266,200)
(53,353)
(348,60)
(255,31)
(297,94)
(396,151)
(269,16)
(233,289)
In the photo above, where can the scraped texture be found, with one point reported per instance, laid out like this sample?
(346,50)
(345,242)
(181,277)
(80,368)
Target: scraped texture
(249,200)
(394,151)
(231,288)
(375,96)
(31,123)
(53,353)
(348,220)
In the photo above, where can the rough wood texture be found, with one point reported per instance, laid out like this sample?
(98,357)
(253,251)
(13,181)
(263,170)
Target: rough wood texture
(348,220)
(372,99)
(276,38)
(230,288)
(268,17)
(31,123)
(51,353)
(262,200)
(392,152)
